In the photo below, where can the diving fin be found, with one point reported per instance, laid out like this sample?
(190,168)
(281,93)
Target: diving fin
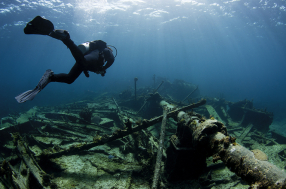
(39,25)
(30,94)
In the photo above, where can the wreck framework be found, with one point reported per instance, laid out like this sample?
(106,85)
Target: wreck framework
(209,134)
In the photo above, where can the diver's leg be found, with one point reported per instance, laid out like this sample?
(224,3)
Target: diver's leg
(40,25)
(70,77)
(76,52)
(64,36)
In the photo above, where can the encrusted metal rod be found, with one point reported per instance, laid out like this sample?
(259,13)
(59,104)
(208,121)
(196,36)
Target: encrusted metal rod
(142,107)
(158,87)
(119,113)
(244,133)
(118,108)
(100,140)
(190,94)
(160,150)
(35,169)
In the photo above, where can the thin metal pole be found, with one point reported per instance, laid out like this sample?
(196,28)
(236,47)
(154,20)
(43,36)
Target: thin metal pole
(190,94)
(160,150)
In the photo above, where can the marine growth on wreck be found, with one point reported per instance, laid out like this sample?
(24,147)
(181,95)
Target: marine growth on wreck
(161,138)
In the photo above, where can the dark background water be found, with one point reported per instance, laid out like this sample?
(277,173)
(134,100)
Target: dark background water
(230,48)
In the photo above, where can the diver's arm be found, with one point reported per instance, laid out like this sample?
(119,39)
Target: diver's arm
(108,56)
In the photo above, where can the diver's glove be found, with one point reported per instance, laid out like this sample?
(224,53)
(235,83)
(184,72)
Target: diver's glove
(103,73)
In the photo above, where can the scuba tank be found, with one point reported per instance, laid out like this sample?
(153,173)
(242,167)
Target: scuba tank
(84,47)
(93,45)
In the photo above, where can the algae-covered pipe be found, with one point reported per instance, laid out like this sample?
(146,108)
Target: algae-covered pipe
(210,137)
(251,166)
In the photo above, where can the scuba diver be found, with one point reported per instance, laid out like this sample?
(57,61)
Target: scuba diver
(89,56)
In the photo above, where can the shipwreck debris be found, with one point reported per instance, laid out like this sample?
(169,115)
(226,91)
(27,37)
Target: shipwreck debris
(150,97)
(160,150)
(122,148)
(28,168)
(210,138)
(120,133)
(86,114)
(245,113)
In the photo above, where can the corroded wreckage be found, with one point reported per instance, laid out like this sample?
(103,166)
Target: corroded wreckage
(104,142)
(210,138)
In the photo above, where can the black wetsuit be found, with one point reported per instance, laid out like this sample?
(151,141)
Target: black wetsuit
(94,58)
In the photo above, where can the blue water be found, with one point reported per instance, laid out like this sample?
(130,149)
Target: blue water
(234,48)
